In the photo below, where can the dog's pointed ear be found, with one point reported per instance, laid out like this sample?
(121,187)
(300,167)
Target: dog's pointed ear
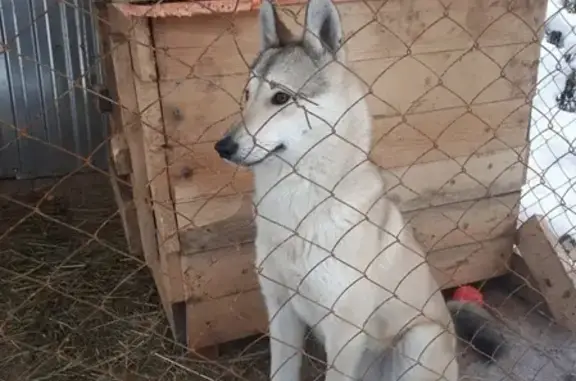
(273,32)
(323,29)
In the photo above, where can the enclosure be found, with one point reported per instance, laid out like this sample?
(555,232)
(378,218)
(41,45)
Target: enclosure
(463,94)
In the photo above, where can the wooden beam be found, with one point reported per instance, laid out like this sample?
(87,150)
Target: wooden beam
(551,269)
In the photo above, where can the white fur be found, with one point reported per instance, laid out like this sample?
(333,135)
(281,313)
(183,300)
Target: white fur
(332,253)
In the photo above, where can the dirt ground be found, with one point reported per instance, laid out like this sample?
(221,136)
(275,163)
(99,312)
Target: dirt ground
(75,306)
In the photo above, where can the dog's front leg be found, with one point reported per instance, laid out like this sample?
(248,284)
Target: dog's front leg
(287,332)
(344,351)
(426,352)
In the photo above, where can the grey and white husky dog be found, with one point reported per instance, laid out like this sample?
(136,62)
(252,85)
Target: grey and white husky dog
(333,254)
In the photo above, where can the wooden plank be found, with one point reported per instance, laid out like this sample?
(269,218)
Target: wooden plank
(223,44)
(520,283)
(466,222)
(119,154)
(226,319)
(219,273)
(199,112)
(130,122)
(435,228)
(143,51)
(237,229)
(226,303)
(550,267)
(119,149)
(443,134)
(154,141)
(455,180)
(202,197)
(425,82)
(473,262)
(126,209)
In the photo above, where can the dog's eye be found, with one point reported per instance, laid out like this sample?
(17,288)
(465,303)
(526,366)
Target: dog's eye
(280,98)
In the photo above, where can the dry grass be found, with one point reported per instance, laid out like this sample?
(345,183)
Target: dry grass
(77,306)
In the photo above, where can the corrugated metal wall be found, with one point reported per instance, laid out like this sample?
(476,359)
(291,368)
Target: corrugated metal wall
(48,60)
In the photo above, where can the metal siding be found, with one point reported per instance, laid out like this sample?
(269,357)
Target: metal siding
(44,77)
(8,144)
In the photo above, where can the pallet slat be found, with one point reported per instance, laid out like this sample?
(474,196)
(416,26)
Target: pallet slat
(435,228)
(550,267)
(205,198)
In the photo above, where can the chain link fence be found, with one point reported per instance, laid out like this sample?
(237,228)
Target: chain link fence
(107,273)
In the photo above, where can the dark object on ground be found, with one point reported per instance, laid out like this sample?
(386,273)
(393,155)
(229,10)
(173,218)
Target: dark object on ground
(478,329)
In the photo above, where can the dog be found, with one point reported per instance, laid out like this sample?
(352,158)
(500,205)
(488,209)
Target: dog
(333,254)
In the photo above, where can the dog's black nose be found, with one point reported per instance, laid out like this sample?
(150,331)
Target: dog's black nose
(226,147)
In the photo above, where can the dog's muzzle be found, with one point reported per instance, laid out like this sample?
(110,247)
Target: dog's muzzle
(226,147)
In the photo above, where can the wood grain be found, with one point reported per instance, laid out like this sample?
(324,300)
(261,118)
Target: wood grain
(128,117)
(151,142)
(435,228)
(219,273)
(551,269)
(226,302)
(220,45)
(225,319)
(398,141)
(203,198)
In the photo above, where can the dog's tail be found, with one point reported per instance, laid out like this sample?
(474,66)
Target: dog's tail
(478,328)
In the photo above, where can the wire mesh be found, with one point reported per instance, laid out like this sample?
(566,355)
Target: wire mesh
(456,116)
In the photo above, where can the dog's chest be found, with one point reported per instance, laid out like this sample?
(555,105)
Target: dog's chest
(314,249)
(303,268)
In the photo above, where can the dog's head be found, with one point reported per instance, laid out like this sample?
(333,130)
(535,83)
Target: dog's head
(291,99)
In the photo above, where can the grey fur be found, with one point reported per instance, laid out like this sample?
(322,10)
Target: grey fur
(291,57)
(322,26)
(273,32)
(478,328)
(297,63)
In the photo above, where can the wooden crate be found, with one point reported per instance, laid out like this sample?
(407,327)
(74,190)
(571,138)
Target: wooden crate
(451,92)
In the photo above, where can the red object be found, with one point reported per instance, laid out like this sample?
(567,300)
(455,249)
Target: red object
(468,294)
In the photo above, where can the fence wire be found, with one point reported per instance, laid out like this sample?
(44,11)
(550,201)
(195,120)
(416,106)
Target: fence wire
(130,274)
